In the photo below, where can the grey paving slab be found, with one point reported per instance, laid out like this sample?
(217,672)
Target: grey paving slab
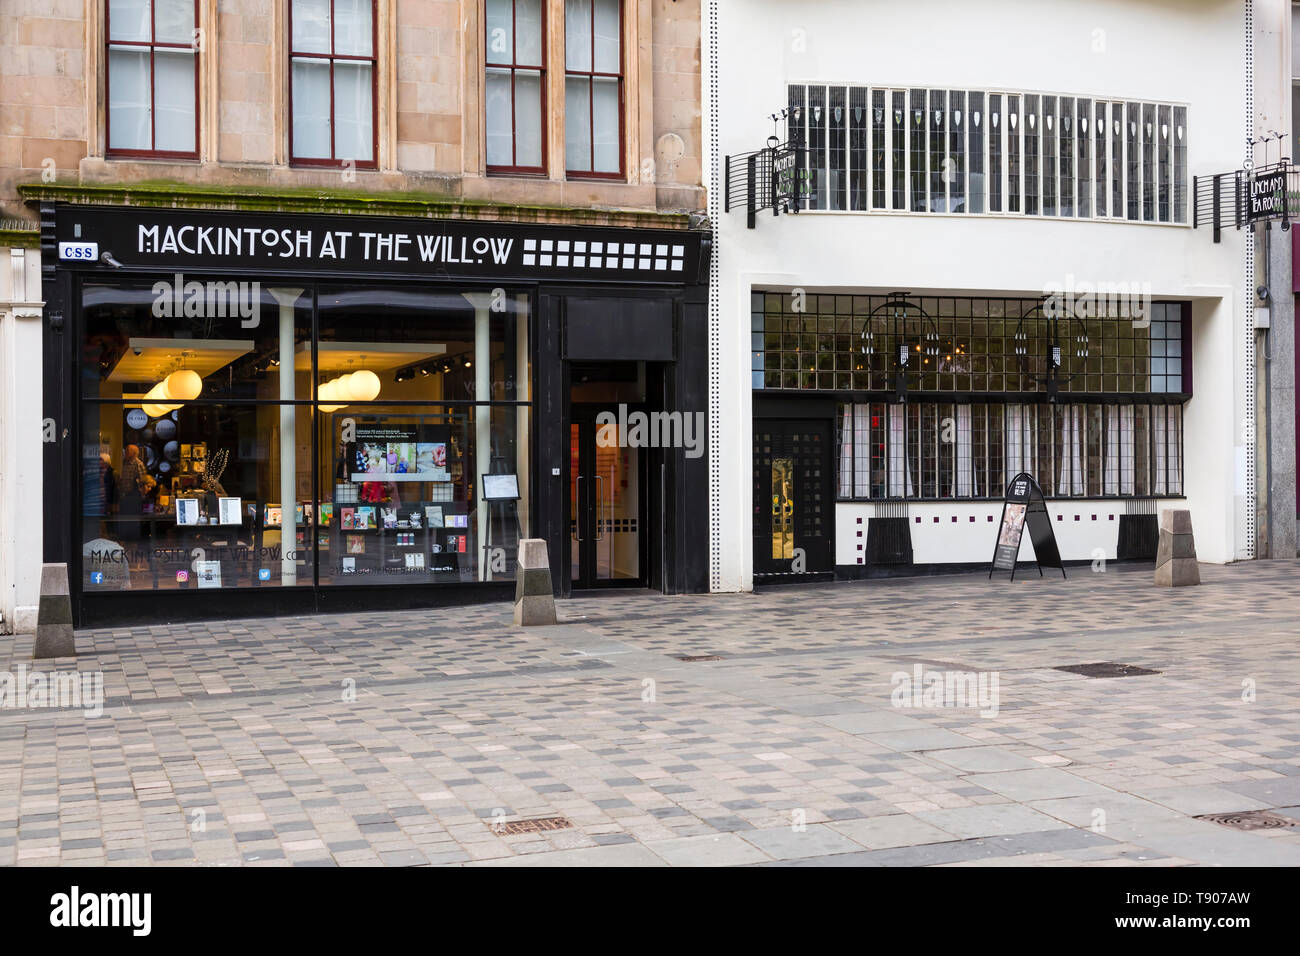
(783,843)
(620,855)
(1196,800)
(1278,792)
(870,722)
(1008,847)
(824,705)
(984,759)
(1213,845)
(1041,784)
(723,849)
(1100,810)
(996,819)
(900,829)
(929,738)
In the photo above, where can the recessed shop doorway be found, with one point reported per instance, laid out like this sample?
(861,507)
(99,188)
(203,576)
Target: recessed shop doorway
(611,500)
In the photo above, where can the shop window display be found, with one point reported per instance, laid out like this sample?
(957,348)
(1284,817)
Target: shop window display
(228,446)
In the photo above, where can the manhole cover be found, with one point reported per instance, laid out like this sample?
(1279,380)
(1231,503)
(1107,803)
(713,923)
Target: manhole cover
(1106,669)
(700,657)
(1250,820)
(537,825)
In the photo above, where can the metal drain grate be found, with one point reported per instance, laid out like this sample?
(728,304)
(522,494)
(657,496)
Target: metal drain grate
(1250,820)
(700,657)
(537,825)
(1106,669)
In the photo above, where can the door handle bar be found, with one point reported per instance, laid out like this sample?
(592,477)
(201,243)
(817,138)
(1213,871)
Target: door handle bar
(577,518)
(600,501)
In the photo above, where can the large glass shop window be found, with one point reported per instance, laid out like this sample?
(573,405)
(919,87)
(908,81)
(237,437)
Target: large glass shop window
(211,417)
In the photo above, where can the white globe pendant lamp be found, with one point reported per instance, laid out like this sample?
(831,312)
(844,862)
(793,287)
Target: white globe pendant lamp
(183,385)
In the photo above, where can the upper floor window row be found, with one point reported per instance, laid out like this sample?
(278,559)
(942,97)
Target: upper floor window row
(1002,153)
(517,66)
(152,80)
(152,83)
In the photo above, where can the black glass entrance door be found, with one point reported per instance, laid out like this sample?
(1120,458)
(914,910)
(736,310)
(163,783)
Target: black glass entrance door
(793,500)
(606,507)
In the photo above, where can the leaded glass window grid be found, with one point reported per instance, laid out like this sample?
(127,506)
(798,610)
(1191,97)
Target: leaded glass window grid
(847,343)
(943,152)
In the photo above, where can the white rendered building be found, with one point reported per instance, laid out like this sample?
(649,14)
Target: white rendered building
(22,431)
(1025,183)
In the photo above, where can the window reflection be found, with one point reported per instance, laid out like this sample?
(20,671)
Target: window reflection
(229,332)
(209,428)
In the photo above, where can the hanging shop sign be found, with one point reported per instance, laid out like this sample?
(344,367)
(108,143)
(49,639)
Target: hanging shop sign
(788,178)
(1266,195)
(775,177)
(1242,198)
(184,239)
(1023,506)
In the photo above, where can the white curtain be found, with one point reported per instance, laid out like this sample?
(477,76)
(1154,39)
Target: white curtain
(1071,451)
(311,108)
(1160,434)
(1166,428)
(900,472)
(174,100)
(1128,450)
(1112,413)
(964,452)
(848,450)
(129,99)
(353,111)
(862,450)
(1021,421)
(1175,446)
(1012,441)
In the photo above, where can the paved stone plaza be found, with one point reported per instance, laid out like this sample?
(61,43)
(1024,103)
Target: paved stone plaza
(238,743)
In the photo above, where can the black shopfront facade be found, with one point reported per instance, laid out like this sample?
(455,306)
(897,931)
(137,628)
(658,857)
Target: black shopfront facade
(263,413)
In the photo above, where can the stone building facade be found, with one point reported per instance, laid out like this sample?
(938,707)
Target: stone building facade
(429,104)
(521,127)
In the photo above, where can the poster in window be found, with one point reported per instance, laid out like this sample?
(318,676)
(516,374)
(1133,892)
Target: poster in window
(228,511)
(208,573)
(187,511)
(399,453)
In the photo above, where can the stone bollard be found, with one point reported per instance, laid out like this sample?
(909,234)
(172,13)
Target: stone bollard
(54,615)
(1176,554)
(534,599)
